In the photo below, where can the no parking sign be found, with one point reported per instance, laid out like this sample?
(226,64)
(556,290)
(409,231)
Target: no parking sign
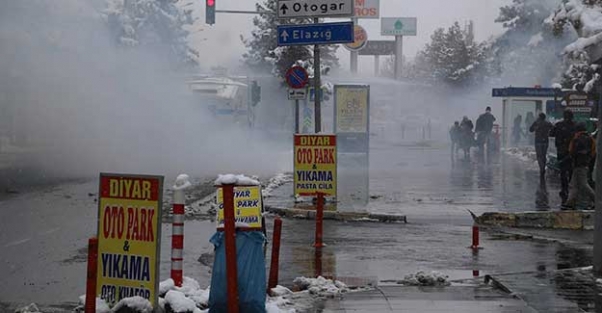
(297,77)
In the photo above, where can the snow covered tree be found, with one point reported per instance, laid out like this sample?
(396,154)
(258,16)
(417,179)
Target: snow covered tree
(578,21)
(527,52)
(263,52)
(451,57)
(156,24)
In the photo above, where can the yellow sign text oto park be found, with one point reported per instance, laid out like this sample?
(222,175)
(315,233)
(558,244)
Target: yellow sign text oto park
(315,165)
(129,236)
(247,206)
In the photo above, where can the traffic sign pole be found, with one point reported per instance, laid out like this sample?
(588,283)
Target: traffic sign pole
(398,56)
(353,53)
(317,87)
(376,65)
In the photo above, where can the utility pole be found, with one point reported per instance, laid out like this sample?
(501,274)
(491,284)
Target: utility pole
(354,53)
(598,208)
(317,87)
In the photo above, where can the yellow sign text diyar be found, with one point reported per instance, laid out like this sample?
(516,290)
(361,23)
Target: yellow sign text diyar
(315,165)
(128,237)
(351,109)
(247,206)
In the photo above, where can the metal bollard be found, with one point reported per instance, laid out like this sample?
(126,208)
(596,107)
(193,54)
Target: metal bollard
(475,237)
(274,266)
(230,242)
(90,305)
(177,230)
(319,221)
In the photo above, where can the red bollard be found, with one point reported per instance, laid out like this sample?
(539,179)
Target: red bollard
(177,238)
(475,237)
(318,262)
(90,305)
(230,241)
(274,266)
(319,221)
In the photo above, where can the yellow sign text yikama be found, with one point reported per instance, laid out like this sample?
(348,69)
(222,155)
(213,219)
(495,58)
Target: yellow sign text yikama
(315,165)
(247,206)
(128,237)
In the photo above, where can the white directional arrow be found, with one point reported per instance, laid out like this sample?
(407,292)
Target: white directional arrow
(284,35)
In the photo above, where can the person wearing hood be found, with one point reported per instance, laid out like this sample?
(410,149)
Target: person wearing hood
(467,136)
(582,150)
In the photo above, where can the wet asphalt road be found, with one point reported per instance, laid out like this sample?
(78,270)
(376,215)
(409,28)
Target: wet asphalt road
(44,232)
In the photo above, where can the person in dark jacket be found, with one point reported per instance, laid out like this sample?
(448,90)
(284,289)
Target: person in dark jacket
(541,128)
(467,139)
(483,129)
(563,132)
(517,130)
(455,134)
(582,150)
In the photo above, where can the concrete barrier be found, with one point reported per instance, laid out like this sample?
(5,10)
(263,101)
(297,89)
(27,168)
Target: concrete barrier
(551,219)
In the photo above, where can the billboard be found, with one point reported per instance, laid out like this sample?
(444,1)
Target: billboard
(351,108)
(367,8)
(398,26)
(315,165)
(247,206)
(129,236)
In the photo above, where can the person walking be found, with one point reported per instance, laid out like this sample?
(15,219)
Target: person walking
(582,150)
(483,129)
(454,135)
(467,137)
(541,128)
(563,132)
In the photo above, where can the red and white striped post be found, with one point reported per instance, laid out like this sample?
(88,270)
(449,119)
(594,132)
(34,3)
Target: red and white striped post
(177,234)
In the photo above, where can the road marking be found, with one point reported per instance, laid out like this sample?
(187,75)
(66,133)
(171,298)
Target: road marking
(18,242)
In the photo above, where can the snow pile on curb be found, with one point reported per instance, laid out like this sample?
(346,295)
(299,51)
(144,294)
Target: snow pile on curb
(240,180)
(321,286)
(423,279)
(192,298)
(31,308)
(276,182)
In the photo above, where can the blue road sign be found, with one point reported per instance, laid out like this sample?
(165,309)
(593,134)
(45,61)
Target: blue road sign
(315,34)
(297,77)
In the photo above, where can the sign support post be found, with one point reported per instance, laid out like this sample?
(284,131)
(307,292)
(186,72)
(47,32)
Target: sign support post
(398,56)
(296,116)
(317,87)
(376,65)
(354,53)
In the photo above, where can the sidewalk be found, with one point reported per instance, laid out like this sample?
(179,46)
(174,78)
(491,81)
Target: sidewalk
(474,297)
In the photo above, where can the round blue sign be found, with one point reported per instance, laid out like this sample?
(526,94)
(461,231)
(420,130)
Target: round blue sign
(297,77)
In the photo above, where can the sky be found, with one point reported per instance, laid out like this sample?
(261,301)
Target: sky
(431,14)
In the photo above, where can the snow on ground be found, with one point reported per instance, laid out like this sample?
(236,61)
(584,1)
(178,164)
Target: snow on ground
(276,182)
(192,298)
(525,154)
(425,279)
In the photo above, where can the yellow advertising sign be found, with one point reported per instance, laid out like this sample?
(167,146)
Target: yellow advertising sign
(247,206)
(129,236)
(315,165)
(351,104)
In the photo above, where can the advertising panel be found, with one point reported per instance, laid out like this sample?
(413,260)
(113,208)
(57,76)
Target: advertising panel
(315,165)
(367,8)
(351,109)
(398,26)
(247,206)
(129,236)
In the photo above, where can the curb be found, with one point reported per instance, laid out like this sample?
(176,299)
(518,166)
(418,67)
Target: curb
(338,216)
(574,220)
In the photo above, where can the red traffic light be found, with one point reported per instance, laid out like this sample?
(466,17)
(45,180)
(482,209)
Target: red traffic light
(210,3)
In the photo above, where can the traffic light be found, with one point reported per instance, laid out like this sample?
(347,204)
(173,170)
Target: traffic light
(255,93)
(210,12)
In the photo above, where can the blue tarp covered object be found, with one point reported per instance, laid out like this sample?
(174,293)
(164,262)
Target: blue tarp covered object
(251,273)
